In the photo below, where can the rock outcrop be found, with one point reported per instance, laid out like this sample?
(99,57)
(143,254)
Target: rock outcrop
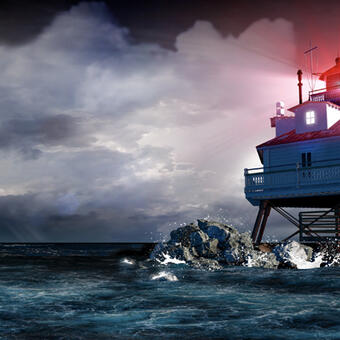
(212,245)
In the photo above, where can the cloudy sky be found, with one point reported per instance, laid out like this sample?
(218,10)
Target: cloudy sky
(121,120)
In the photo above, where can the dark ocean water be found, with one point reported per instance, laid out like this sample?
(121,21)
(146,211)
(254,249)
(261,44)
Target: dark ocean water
(109,291)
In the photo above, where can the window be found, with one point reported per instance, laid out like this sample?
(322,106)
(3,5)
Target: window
(306,159)
(309,159)
(310,117)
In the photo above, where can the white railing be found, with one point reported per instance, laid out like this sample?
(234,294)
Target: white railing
(294,177)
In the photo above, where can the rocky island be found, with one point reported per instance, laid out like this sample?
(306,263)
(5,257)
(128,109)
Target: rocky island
(213,245)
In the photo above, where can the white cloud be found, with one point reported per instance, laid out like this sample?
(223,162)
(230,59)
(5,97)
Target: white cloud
(161,136)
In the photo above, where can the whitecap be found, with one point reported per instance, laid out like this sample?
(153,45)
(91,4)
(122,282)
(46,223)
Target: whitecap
(168,259)
(164,276)
(297,255)
(128,261)
(303,264)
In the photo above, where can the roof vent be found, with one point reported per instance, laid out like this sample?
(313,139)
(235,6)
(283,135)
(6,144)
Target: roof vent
(280,109)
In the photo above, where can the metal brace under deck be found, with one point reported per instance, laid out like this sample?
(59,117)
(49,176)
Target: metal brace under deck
(310,224)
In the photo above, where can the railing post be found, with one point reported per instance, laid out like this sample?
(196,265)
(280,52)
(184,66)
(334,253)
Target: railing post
(324,172)
(300,227)
(246,180)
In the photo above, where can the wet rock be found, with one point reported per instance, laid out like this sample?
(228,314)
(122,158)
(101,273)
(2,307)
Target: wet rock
(215,230)
(238,248)
(206,241)
(182,234)
(197,238)
(245,243)
(265,248)
(232,256)
(208,249)
(194,252)
(187,255)
(262,260)
(212,245)
(207,264)
(291,253)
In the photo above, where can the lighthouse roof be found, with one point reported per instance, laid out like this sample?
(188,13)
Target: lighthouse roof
(292,136)
(293,109)
(333,70)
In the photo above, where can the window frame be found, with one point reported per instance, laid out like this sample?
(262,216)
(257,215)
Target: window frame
(306,159)
(310,117)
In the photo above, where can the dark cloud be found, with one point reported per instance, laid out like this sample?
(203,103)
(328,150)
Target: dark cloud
(27,135)
(161,22)
(22,20)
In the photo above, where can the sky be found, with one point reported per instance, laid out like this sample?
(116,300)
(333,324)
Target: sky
(122,120)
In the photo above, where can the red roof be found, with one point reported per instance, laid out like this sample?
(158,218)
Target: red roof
(292,136)
(314,102)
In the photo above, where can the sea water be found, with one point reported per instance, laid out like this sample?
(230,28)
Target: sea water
(111,291)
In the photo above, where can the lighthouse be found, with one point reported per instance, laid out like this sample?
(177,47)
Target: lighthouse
(301,165)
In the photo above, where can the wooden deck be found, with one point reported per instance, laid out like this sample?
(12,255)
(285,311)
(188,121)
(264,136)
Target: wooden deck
(330,94)
(294,186)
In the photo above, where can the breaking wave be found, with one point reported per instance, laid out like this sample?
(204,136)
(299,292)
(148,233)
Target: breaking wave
(167,259)
(164,276)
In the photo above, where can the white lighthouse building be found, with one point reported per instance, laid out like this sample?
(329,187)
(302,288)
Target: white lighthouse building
(301,165)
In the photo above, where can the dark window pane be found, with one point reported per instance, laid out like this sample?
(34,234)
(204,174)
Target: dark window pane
(309,159)
(303,159)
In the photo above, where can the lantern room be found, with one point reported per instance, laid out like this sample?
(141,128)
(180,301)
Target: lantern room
(332,91)
(332,76)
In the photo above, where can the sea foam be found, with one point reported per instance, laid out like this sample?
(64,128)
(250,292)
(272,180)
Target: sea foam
(167,259)
(164,276)
(128,261)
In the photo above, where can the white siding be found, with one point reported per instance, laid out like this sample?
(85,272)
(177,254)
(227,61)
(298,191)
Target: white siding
(286,155)
(284,125)
(333,115)
(320,110)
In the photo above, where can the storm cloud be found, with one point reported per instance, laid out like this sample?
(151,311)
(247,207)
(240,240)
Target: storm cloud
(104,139)
(27,135)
